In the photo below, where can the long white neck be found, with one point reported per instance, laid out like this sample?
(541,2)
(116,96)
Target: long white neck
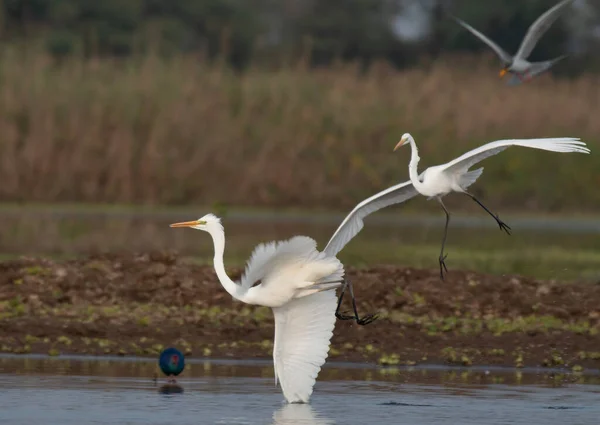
(235,290)
(412,165)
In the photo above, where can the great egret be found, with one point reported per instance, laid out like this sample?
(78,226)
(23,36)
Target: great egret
(454,176)
(518,65)
(298,283)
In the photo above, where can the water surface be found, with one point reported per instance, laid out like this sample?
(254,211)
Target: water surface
(80,390)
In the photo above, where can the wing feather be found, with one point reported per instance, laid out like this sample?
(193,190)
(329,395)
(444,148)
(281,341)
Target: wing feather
(559,144)
(539,28)
(267,256)
(353,223)
(303,330)
(504,56)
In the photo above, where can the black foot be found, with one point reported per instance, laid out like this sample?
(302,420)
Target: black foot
(443,266)
(342,316)
(502,225)
(361,321)
(365,320)
(369,318)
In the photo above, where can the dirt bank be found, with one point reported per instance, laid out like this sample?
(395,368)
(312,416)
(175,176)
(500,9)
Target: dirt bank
(137,304)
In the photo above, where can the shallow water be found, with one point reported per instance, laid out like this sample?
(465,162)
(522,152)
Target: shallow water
(80,390)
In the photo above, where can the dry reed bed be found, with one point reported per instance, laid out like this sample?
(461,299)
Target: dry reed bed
(182,131)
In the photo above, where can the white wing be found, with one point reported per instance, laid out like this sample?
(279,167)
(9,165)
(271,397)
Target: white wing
(559,144)
(353,223)
(505,57)
(539,27)
(303,329)
(267,256)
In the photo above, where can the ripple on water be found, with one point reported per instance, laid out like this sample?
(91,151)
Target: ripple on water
(244,393)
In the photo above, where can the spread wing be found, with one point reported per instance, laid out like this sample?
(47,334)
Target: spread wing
(303,329)
(560,144)
(266,257)
(353,223)
(539,28)
(504,56)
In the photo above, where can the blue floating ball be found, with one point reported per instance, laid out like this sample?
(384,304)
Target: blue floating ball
(171,361)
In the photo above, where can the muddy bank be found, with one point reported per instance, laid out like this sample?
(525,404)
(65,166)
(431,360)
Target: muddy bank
(138,304)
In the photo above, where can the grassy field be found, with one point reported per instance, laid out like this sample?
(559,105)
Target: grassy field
(152,131)
(392,237)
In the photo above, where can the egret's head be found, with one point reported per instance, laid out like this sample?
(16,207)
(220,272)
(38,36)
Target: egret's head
(404,140)
(205,223)
(503,71)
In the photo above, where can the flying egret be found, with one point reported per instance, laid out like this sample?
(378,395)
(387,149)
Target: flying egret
(518,65)
(437,181)
(298,283)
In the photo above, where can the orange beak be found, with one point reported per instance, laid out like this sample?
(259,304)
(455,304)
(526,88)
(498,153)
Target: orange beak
(400,143)
(503,72)
(187,223)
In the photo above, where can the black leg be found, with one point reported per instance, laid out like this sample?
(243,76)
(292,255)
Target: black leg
(501,224)
(442,258)
(361,321)
(337,310)
(366,319)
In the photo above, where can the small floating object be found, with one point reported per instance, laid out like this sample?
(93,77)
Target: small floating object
(172,362)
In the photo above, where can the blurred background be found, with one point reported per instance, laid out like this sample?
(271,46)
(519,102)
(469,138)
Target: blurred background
(120,117)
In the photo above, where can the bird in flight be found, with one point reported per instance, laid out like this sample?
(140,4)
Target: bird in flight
(454,176)
(518,65)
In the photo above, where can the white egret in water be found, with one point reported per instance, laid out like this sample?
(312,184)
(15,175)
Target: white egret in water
(454,176)
(518,65)
(298,283)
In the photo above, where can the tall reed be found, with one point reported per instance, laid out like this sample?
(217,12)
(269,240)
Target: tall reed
(181,131)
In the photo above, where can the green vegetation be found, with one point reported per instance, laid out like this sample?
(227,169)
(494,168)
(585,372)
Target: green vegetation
(470,326)
(389,359)
(36,271)
(519,361)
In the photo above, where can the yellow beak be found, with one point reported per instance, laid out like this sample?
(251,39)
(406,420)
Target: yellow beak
(187,224)
(502,72)
(400,143)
